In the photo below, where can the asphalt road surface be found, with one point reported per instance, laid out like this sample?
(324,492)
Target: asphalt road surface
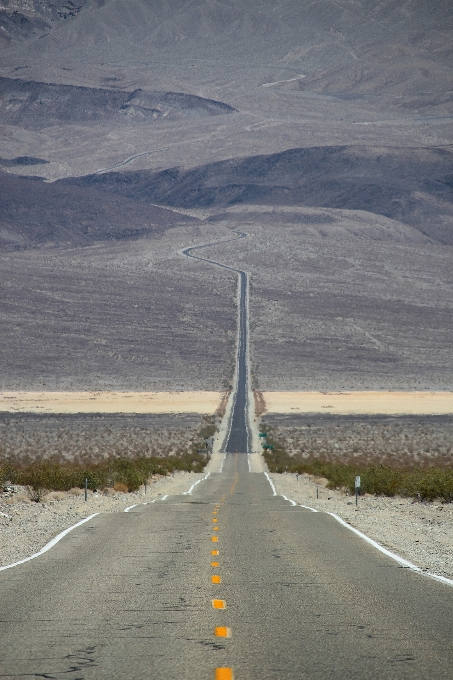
(298,596)
(238,438)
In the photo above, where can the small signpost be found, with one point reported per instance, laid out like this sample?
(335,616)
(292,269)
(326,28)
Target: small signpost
(357,488)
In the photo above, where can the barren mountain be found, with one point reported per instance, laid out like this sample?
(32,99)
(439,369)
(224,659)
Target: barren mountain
(411,185)
(323,128)
(32,104)
(34,213)
(25,19)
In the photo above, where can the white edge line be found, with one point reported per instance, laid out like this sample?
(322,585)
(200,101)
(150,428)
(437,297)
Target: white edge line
(289,500)
(271,483)
(164,497)
(223,460)
(375,544)
(132,506)
(393,556)
(189,492)
(308,507)
(249,462)
(51,543)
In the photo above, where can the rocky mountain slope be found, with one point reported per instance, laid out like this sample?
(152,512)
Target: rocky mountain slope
(412,185)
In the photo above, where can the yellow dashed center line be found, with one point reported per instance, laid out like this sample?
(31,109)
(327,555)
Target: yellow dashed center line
(219,604)
(220,631)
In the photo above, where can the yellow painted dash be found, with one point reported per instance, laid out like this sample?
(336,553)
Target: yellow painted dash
(219,604)
(215,528)
(215,552)
(214,539)
(224,674)
(216,579)
(222,631)
(214,564)
(214,519)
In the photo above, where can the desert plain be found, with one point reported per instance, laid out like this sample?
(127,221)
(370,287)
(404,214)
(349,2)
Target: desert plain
(130,130)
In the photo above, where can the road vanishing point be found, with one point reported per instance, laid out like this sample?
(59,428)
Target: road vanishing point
(227,581)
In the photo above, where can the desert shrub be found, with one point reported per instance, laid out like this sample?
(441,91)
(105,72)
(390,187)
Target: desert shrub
(209,429)
(422,482)
(62,475)
(54,454)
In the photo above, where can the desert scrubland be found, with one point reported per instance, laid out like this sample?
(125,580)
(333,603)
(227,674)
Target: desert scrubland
(93,437)
(133,316)
(130,130)
(374,438)
(343,301)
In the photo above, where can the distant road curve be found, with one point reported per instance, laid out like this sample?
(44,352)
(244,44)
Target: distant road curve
(238,438)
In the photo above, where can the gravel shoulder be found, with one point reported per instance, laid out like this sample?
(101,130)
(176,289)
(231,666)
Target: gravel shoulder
(26,527)
(419,532)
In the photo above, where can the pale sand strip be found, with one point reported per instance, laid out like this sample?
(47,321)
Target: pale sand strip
(110,402)
(344,403)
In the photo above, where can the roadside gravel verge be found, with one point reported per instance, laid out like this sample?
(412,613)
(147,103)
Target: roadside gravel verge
(25,527)
(420,532)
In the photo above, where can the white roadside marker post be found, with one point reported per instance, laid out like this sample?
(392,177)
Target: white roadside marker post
(357,488)
(86,489)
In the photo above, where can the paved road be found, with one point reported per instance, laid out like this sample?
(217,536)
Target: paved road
(238,438)
(130,596)
(230,579)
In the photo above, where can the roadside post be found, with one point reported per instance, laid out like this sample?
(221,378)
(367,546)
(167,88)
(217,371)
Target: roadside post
(357,488)
(86,489)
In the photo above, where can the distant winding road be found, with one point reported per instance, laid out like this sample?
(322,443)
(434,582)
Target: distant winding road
(238,439)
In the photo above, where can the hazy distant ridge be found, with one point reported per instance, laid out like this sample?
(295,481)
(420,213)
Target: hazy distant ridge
(411,185)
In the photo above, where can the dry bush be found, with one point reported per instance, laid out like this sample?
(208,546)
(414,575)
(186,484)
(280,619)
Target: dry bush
(119,487)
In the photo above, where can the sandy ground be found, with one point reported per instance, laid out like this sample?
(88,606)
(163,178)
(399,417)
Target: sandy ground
(344,403)
(419,532)
(110,402)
